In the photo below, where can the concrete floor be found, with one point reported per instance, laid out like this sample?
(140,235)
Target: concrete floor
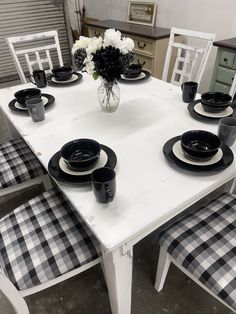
(86,293)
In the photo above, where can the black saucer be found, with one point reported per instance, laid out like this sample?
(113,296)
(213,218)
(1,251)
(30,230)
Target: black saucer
(136,80)
(55,170)
(225,162)
(64,83)
(199,116)
(12,104)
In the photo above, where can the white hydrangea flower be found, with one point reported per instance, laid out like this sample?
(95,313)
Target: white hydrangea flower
(94,45)
(112,38)
(82,43)
(126,45)
(90,67)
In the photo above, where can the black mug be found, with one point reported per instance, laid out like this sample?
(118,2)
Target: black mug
(189,91)
(104,184)
(39,77)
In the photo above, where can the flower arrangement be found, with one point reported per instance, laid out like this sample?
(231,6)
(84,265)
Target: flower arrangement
(106,58)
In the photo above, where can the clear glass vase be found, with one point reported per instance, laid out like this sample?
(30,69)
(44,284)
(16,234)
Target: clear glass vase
(109,95)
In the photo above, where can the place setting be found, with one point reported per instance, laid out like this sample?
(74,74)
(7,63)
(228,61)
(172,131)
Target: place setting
(63,76)
(212,106)
(75,162)
(134,73)
(199,151)
(19,103)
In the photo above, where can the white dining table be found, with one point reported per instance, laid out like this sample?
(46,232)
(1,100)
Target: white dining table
(150,190)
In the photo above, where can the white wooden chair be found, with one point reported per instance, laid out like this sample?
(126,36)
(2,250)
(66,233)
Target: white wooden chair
(42,243)
(202,245)
(190,60)
(34,55)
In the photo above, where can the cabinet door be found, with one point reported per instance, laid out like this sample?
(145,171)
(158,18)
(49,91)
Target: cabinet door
(221,88)
(224,75)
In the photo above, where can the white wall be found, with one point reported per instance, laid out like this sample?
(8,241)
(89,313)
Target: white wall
(213,16)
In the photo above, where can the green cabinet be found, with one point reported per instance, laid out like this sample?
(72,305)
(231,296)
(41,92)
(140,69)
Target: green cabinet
(225,65)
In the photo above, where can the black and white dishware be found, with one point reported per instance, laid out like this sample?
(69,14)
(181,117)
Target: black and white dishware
(38,78)
(196,110)
(174,154)
(75,78)
(60,171)
(36,109)
(144,75)
(104,184)
(47,99)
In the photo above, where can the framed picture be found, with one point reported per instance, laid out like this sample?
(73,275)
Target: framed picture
(142,12)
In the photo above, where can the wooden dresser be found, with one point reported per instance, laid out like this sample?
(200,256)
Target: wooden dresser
(150,42)
(225,65)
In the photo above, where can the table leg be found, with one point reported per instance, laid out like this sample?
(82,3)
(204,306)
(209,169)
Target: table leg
(118,268)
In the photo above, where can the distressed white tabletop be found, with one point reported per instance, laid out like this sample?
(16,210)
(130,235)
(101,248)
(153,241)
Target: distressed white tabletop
(149,190)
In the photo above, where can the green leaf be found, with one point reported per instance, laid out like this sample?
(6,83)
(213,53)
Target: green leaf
(95,76)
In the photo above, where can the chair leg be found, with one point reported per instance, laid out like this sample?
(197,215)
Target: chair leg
(162,269)
(47,182)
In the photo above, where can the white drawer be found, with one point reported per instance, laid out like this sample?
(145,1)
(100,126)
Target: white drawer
(95,32)
(147,62)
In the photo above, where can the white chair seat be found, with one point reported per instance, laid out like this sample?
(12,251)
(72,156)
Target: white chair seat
(204,244)
(17,163)
(44,239)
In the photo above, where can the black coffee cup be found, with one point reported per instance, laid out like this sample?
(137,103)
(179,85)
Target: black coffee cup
(189,91)
(104,184)
(39,78)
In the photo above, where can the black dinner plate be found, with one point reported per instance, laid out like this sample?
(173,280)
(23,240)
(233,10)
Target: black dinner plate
(225,161)
(55,170)
(136,80)
(198,115)
(12,104)
(64,83)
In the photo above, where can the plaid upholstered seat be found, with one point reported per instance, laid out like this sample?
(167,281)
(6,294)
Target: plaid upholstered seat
(204,243)
(17,163)
(43,239)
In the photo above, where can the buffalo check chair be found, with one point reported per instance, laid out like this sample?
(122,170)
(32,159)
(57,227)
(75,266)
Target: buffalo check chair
(203,245)
(19,168)
(191,59)
(35,57)
(42,243)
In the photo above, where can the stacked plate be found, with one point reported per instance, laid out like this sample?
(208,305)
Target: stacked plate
(211,106)
(18,103)
(188,157)
(77,159)
(196,110)
(144,75)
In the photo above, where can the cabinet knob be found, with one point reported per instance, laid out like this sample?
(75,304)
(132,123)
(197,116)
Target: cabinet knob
(141,46)
(143,63)
(225,59)
(97,34)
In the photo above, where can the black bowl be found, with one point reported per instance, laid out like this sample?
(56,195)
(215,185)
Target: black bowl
(62,73)
(215,101)
(81,154)
(22,95)
(134,70)
(199,145)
